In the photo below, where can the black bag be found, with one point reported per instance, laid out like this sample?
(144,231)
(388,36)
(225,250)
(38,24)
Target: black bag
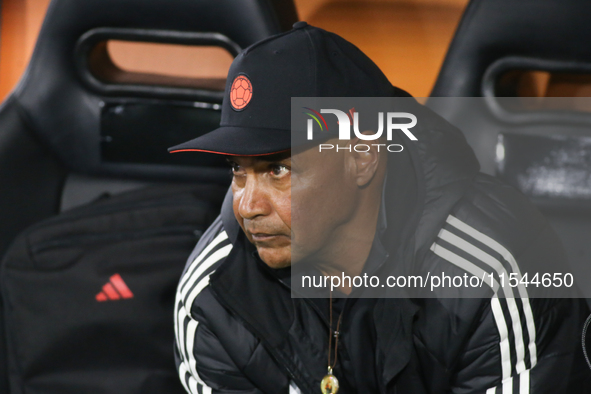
(88,294)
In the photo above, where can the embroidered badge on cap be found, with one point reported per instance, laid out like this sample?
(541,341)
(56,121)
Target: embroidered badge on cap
(241,92)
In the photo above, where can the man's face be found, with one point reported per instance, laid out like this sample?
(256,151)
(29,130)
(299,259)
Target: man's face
(262,204)
(314,187)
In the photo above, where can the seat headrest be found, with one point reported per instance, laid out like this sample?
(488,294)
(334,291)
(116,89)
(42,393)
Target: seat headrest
(491,30)
(66,106)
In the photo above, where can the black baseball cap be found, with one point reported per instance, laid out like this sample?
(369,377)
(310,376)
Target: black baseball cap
(304,62)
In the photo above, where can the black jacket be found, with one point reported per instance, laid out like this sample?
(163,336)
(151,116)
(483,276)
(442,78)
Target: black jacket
(240,331)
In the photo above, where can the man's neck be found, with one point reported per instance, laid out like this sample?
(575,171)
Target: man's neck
(351,243)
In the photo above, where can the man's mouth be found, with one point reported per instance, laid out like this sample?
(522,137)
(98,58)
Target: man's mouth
(264,237)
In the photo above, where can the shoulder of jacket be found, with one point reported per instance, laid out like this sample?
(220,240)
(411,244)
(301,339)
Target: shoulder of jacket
(497,214)
(493,233)
(209,253)
(493,229)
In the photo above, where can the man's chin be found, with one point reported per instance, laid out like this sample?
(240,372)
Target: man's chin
(274,258)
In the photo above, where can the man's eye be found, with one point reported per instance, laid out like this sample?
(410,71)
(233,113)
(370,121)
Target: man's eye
(236,169)
(279,170)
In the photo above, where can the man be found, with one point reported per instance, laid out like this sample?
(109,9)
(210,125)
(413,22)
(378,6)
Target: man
(238,328)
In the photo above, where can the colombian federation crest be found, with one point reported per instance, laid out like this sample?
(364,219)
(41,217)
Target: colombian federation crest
(241,92)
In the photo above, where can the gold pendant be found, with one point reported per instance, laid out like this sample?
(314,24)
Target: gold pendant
(329,383)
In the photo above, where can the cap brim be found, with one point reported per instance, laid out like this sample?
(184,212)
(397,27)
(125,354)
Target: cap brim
(238,141)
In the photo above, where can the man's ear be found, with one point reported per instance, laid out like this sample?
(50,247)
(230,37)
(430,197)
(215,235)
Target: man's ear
(365,161)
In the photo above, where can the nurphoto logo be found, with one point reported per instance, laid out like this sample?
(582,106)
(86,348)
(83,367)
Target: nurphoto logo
(346,119)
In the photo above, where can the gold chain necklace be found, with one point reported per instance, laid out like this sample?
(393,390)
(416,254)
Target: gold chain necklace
(330,383)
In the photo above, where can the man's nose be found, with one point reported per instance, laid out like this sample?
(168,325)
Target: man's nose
(254,199)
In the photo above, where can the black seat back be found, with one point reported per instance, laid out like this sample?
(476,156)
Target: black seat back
(495,30)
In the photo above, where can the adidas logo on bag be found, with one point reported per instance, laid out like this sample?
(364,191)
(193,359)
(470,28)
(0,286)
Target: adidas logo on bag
(114,289)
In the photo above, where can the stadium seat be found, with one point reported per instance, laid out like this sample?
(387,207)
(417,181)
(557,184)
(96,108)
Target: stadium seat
(508,83)
(77,125)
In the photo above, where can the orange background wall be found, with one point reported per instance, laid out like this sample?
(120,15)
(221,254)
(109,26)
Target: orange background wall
(406,38)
